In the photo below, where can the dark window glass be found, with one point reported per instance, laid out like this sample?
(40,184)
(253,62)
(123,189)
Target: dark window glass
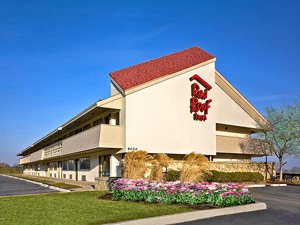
(70,176)
(71,164)
(83,178)
(65,165)
(84,163)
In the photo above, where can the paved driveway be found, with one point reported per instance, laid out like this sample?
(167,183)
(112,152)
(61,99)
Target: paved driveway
(10,187)
(283,209)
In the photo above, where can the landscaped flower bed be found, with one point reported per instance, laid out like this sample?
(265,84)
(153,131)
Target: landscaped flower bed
(214,194)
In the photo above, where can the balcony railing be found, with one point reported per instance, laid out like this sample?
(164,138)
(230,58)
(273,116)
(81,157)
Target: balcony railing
(24,160)
(52,150)
(101,136)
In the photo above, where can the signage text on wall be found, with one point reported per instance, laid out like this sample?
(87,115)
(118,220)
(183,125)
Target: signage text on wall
(199,102)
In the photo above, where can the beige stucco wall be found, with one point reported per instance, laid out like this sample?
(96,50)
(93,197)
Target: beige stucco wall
(158,118)
(229,112)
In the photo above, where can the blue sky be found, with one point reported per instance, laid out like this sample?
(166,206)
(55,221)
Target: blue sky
(55,56)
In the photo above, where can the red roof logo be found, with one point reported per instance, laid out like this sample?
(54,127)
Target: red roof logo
(198,107)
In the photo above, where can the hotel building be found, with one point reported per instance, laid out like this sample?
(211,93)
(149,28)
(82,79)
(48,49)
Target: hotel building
(175,104)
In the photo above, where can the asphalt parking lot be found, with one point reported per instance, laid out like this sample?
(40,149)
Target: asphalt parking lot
(10,187)
(283,209)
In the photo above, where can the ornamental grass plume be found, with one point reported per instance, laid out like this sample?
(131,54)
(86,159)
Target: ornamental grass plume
(135,164)
(194,168)
(160,161)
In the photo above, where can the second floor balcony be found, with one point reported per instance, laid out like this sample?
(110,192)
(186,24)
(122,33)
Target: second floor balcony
(97,137)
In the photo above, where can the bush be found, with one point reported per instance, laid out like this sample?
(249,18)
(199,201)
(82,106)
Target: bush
(159,162)
(135,165)
(194,167)
(213,194)
(223,177)
(172,175)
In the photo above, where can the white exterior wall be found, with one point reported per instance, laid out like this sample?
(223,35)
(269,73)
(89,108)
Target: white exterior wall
(158,118)
(68,173)
(115,167)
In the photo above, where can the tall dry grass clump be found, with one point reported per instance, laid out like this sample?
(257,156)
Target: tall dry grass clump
(135,164)
(159,162)
(194,167)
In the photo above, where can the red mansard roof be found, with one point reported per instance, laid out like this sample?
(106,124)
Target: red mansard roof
(141,73)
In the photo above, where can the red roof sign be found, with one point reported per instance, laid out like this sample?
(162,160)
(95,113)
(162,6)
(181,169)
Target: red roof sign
(141,73)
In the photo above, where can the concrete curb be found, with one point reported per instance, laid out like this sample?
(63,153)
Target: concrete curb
(38,183)
(196,215)
(277,185)
(265,185)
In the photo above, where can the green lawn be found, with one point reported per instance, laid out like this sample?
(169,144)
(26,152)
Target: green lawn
(75,208)
(49,182)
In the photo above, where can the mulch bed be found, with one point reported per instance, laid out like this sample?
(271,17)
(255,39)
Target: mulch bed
(108,197)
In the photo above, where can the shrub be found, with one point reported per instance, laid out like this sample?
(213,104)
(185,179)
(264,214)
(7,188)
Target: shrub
(135,164)
(172,175)
(159,161)
(194,167)
(223,177)
(180,193)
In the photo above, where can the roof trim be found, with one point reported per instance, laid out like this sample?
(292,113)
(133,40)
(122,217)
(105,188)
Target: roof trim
(232,92)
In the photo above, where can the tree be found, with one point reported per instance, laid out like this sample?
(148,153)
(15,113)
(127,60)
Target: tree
(284,138)
(4,165)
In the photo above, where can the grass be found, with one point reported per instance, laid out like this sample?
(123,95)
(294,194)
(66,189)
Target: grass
(78,208)
(49,182)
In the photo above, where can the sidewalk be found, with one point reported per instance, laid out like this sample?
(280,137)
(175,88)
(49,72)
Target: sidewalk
(196,215)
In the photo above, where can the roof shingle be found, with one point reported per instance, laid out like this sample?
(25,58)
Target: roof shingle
(141,73)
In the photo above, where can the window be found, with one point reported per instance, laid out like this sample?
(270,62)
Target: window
(83,177)
(70,176)
(65,165)
(104,162)
(71,165)
(84,163)
(64,175)
(106,119)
